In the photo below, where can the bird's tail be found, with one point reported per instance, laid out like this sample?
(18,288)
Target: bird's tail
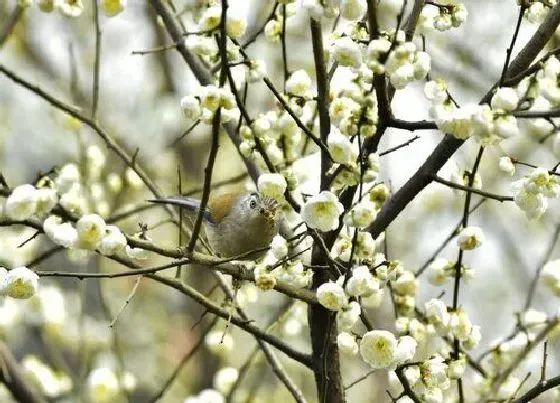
(183,202)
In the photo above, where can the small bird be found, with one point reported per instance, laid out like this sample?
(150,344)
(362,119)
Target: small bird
(236,223)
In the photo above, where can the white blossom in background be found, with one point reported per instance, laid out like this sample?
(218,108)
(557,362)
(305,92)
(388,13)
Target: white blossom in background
(474,338)
(224,379)
(322,211)
(347,343)
(190,106)
(52,383)
(219,342)
(437,315)
(379,349)
(460,324)
(550,276)
(439,271)
(531,192)
(272,185)
(20,283)
(102,385)
(332,296)
(206,396)
(21,203)
(113,7)
(506,166)
(470,238)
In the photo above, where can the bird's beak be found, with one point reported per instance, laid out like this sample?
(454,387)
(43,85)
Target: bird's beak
(268,214)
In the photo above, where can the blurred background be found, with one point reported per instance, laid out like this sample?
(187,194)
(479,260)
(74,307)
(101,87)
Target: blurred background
(67,325)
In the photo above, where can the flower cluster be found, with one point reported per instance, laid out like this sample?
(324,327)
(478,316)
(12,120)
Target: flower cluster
(442,17)
(531,193)
(205,101)
(536,10)
(489,124)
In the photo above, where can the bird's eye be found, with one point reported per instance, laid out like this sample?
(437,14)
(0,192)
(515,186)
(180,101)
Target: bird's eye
(253,204)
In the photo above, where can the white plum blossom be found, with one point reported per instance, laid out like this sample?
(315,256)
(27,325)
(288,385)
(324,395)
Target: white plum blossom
(211,17)
(279,247)
(406,348)
(21,203)
(474,338)
(322,211)
(347,343)
(461,325)
(236,23)
(91,229)
(332,296)
(299,83)
(272,185)
(505,98)
(434,373)
(342,150)
(113,241)
(379,349)
(63,234)
(536,13)
(470,238)
(362,282)
(20,283)
(71,8)
(456,368)
(361,215)
(438,271)
(347,52)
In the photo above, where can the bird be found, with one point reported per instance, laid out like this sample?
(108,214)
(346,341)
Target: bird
(236,223)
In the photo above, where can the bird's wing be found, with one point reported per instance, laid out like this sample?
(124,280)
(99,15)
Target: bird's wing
(221,205)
